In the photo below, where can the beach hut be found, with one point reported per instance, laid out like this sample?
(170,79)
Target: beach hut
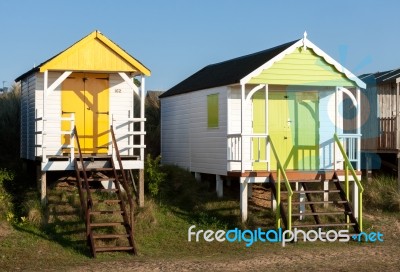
(78,113)
(381,122)
(271,116)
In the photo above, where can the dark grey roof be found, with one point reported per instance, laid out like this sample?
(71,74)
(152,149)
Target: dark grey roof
(226,72)
(381,77)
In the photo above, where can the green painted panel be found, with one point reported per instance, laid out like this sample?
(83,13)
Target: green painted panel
(302,67)
(259,145)
(279,127)
(212,111)
(293,128)
(305,133)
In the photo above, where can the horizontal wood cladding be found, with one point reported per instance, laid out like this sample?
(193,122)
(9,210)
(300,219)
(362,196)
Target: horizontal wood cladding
(186,140)
(302,67)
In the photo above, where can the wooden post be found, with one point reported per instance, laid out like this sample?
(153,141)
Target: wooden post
(38,177)
(398,131)
(141,188)
(326,194)
(219,186)
(243,199)
(398,172)
(43,187)
(302,199)
(250,190)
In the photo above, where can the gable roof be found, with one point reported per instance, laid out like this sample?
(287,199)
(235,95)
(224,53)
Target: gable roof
(242,69)
(381,77)
(226,72)
(58,62)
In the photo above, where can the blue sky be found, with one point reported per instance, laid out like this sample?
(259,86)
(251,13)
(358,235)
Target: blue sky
(176,38)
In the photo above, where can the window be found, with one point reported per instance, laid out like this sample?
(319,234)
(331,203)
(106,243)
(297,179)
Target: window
(212,110)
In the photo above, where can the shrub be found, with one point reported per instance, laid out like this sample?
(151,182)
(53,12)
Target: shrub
(153,174)
(5,197)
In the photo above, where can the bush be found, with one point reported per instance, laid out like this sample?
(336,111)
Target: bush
(153,174)
(5,197)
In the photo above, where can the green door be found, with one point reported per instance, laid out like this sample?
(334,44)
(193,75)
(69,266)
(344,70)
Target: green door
(293,128)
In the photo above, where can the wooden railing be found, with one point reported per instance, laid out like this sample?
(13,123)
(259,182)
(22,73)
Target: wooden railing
(89,200)
(387,133)
(44,133)
(130,132)
(124,179)
(281,174)
(349,167)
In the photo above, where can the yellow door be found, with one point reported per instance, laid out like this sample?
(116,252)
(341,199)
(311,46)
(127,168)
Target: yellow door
(280,128)
(87,96)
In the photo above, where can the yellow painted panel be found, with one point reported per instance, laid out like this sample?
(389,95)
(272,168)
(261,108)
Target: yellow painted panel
(93,55)
(95,52)
(302,68)
(87,95)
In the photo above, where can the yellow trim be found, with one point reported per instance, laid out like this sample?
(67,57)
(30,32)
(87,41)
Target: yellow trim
(62,61)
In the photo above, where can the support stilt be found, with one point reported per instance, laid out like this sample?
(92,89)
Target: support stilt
(141,188)
(326,194)
(219,184)
(243,199)
(43,187)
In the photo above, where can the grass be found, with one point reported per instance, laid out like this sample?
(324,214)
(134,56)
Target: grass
(381,194)
(55,237)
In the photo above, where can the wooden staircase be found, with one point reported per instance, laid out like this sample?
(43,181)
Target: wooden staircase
(311,211)
(109,222)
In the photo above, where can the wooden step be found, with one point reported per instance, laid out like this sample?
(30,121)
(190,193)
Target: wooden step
(107,201)
(306,181)
(323,225)
(103,190)
(105,212)
(116,248)
(314,191)
(97,169)
(107,224)
(110,236)
(316,202)
(99,179)
(317,213)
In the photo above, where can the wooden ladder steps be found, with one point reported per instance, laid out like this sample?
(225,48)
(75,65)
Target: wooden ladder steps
(107,224)
(314,191)
(317,202)
(110,236)
(116,248)
(323,225)
(96,169)
(103,190)
(306,181)
(105,212)
(107,201)
(100,179)
(317,213)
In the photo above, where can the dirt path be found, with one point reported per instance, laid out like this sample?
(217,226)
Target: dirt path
(367,257)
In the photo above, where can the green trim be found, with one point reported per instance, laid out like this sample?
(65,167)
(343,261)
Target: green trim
(349,167)
(212,111)
(281,173)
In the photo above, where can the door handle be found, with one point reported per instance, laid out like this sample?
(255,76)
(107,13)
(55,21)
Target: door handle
(284,137)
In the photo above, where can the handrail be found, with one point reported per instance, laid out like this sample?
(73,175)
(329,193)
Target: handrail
(281,172)
(348,166)
(85,178)
(124,179)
